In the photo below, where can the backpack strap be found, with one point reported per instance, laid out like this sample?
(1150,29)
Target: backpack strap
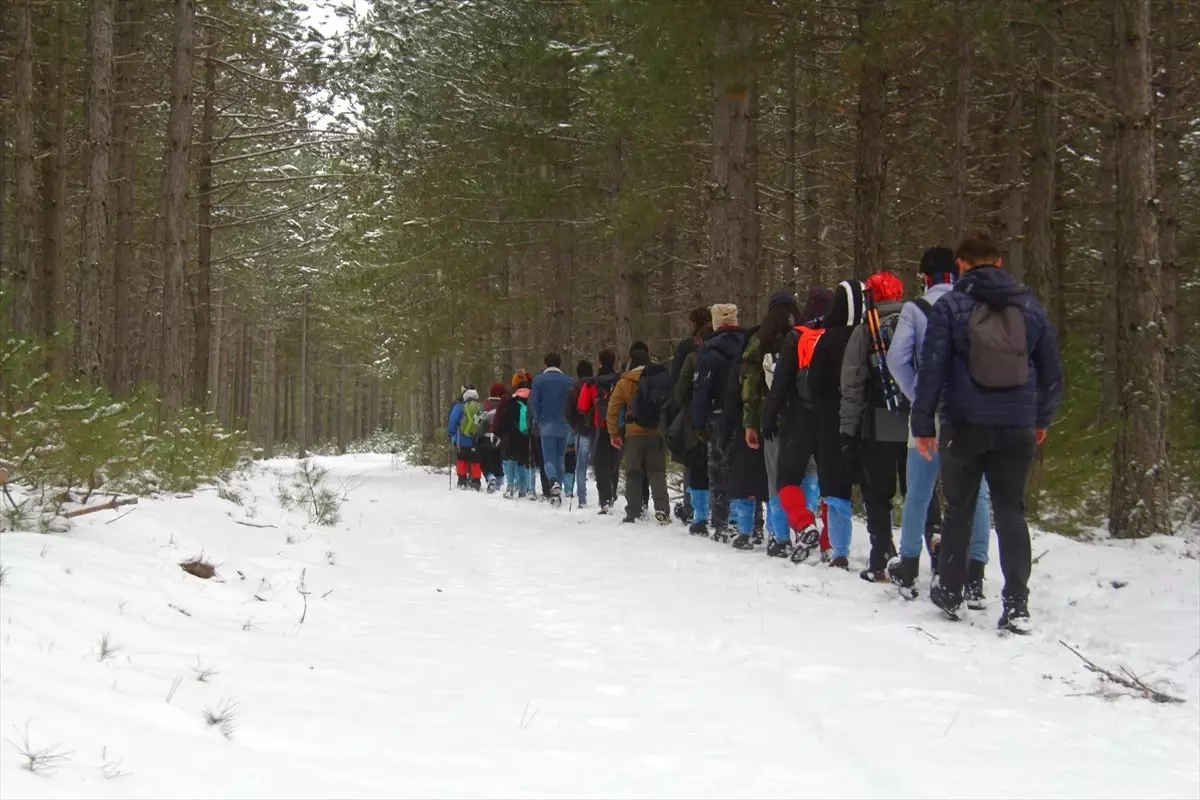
(923,304)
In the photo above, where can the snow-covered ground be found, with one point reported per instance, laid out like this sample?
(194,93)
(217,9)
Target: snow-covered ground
(463,645)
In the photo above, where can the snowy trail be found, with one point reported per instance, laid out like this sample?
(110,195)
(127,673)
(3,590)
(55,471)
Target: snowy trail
(471,646)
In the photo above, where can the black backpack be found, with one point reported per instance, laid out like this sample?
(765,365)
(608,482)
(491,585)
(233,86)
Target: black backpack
(998,351)
(604,389)
(652,397)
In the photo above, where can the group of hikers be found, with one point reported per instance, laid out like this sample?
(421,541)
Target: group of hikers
(775,424)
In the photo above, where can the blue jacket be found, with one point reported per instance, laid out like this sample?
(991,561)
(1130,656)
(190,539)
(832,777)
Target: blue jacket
(715,367)
(456,418)
(904,352)
(548,402)
(945,377)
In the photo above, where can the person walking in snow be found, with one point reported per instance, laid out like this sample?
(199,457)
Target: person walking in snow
(640,442)
(716,375)
(874,431)
(547,400)
(835,474)
(922,514)
(789,419)
(464,420)
(491,460)
(581,410)
(991,369)
(606,459)
(514,427)
(700,320)
(686,443)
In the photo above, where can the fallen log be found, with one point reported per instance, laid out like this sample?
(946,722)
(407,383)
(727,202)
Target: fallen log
(110,505)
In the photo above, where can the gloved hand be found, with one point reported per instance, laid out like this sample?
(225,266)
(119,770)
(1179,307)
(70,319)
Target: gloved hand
(770,428)
(851,451)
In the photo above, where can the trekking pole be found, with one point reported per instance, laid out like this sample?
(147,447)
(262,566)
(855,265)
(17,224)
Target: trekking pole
(450,466)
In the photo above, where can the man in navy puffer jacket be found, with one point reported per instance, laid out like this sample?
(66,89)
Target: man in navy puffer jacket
(985,431)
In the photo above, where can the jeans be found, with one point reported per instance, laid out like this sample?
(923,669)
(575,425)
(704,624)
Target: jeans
(1002,455)
(922,478)
(840,526)
(554,454)
(583,451)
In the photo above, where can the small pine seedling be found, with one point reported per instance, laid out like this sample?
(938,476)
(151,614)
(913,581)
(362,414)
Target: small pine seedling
(108,649)
(203,673)
(39,761)
(223,718)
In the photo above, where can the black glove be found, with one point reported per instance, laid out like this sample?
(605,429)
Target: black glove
(770,428)
(851,451)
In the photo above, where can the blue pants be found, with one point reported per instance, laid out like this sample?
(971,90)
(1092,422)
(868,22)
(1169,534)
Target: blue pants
(922,477)
(519,475)
(840,526)
(741,514)
(554,456)
(583,451)
(699,504)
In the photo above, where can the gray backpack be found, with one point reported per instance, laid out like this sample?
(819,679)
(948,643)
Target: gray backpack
(998,352)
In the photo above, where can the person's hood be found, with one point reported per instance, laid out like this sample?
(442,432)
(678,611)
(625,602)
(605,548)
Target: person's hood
(729,342)
(816,307)
(522,393)
(469,395)
(633,373)
(552,369)
(937,292)
(993,286)
(848,305)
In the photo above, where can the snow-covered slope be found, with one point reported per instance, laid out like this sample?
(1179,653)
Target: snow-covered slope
(464,645)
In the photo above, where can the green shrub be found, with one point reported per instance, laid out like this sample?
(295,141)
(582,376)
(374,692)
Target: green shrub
(60,435)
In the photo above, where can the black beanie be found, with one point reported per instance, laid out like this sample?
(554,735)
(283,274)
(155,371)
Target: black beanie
(781,299)
(938,260)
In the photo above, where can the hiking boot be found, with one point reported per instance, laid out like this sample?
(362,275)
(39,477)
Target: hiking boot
(662,517)
(779,548)
(757,536)
(629,519)
(1015,616)
(949,602)
(840,562)
(698,529)
(874,575)
(721,534)
(902,572)
(742,542)
(800,554)
(826,556)
(681,513)
(973,591)
(810,537)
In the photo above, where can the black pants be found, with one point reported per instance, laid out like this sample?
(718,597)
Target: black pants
(1003,455)
(696,468)
(720,464)
(883,466)
(606,463)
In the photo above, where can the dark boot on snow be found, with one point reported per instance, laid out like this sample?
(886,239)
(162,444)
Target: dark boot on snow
(948,601)
(874,575)
(1015,617)
(662,517)
(721,534)
(840,562)
(779,548)
(973,591)
(902,572)
(698,529)
(742,542)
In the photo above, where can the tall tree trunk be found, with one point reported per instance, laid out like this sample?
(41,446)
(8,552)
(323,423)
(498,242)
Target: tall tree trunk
(90,346)
(812,196)
(173,222)
(791,266)
(121,350)
(1139,480)
(303,389)
(622,304)
(214,351)
(21,280)
(202,310)
(728,204)
(1168,170)
(1014,212)
(960,93)
(870,161)
(52,275)
(1040,267)
(750,238)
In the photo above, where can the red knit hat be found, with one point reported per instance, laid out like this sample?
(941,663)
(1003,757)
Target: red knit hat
(497,390)
(885,287)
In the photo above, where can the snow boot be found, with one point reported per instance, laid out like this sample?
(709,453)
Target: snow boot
(721,534)
(629,519)
(662,517)
(698,528)
(476,484)
(903,574)
(874,575)
(757,536)
(840,562)
(779,548)
(1015,617)
(556,494)
(491,484)
(605,509)
(973,591)
(827,555)
(949,602)
(681,513)
(742,542)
